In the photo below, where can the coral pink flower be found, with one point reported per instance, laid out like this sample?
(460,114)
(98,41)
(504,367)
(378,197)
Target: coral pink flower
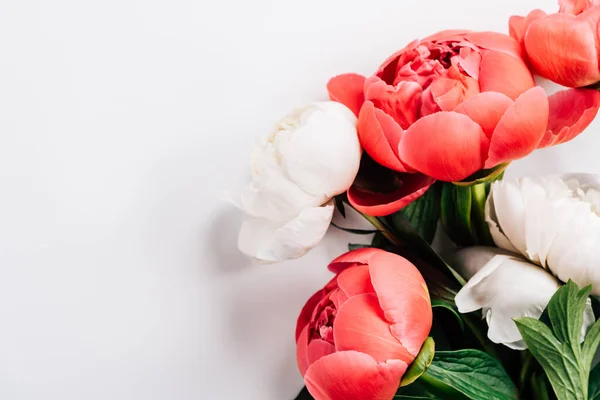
(562,47)
(357,336)
(450,105)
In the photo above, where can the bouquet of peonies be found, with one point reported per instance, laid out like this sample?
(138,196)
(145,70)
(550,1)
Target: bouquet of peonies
(509,309)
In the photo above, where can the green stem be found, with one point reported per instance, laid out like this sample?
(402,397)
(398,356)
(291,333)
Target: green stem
(381,227)
(526,372)
(479,197)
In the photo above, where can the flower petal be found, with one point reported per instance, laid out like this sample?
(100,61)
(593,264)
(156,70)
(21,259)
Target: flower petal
(360,325)
(381,204)
(520,129)
(571,111)
(351,258)
(518,25)
(307,311)
(403,297)
(496,42)
(507,288)
(510,213)
(379,135)
(318,348)
(301,350)
(355,280)
(271,241)
(470,260)
(486,109)
(328,169)
(563,48)
(503,73)
(447,146)
(401,102)
(353,375)
(491,219)
(576,6)
(348,89)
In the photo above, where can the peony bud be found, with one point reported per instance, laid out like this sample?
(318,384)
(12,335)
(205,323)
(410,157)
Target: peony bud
(312,155)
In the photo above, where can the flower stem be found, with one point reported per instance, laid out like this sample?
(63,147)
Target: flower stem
(381,227)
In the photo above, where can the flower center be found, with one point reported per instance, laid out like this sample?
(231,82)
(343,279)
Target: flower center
(323,326)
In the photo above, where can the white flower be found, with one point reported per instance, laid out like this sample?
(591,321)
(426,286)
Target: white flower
(312,155)
(505,287)
(554,221)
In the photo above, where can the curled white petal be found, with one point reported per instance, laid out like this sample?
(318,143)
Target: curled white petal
(506,288)
(271,241)
(554,221)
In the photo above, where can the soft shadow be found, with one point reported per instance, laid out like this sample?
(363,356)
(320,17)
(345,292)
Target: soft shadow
(221,237)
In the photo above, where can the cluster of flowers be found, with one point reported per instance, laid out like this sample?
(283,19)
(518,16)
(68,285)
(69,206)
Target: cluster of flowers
(451,110)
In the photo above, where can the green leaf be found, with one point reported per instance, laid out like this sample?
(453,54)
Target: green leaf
(470,374)
(355,246)
(592,341)
(448,306)
(354,231)
(424,213)
(420,364)
(557,359)
(566,313)
(594,389)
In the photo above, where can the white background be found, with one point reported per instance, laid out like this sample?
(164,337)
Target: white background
(123,124)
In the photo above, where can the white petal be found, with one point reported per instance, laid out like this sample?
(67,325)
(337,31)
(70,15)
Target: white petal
(470,260)
(508,288)
(469,298)
(273,196)
(270,241)
(323,154)
(575,251)
(492,220)
(510,212)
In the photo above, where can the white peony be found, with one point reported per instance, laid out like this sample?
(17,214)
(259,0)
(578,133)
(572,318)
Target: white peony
(312,155)
(554,221)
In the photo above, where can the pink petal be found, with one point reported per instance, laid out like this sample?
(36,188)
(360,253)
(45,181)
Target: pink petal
(352,258)
(486,109)
(381,204)
(353,375)
(445,93)
(576,6)
(520,129)
(503,73)
(318,348)
(348,89)
(447,146)
(355,280)
(302,351)
(404,298)
(496,42)
(307,311)
(571,111)
(379,135)
(401,102)
(563,48)
(360,325)
(518,25)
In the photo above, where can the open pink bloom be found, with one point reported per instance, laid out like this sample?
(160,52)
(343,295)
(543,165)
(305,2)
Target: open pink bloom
(562,47)
(357,336)
(452,104)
